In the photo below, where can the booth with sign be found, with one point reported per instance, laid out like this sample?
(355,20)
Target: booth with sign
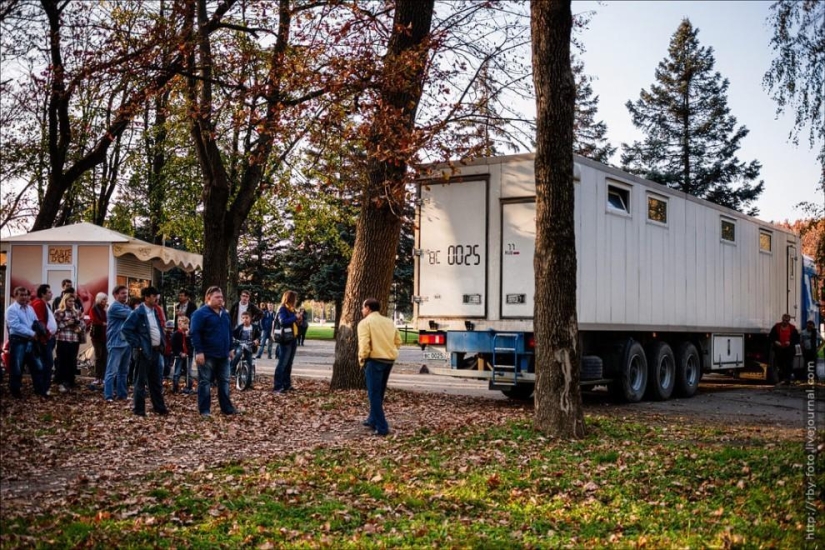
(96,259)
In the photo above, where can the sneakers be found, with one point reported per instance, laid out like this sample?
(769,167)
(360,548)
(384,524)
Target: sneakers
(63,388)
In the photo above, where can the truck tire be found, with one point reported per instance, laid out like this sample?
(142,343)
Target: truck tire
(688,370)
(631,380)
(519,392)
(661,377)
(592,368)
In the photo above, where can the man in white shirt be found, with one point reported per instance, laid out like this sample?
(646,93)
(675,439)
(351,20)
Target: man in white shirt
(143,330)
(240,307)
(20,320)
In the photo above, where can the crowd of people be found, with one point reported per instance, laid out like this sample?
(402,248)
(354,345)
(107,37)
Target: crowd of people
(135,344)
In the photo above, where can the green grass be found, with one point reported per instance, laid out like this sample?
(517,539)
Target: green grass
(320,332)
(626,484)
(325,332)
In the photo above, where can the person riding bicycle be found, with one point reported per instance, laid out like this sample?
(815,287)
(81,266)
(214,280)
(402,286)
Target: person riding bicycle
(246,338)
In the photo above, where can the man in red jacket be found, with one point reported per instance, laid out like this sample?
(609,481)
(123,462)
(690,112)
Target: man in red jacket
(41,308)
(784,338)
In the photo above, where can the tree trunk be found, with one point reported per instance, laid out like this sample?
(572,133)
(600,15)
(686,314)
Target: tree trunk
(558,408)
(379,226)
(370,276)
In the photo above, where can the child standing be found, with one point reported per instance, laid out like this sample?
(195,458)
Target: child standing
(168,356)
(182,352)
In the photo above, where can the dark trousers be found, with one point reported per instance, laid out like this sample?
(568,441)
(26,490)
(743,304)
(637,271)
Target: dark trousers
(377,374)
(148,370)
(67,362)
(783,359)
(47,359)
(101,356)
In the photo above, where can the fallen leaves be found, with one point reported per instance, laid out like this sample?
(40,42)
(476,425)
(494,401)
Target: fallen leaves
(456,467)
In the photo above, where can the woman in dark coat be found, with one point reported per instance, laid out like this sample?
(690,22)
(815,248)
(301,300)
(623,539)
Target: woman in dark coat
(288,319)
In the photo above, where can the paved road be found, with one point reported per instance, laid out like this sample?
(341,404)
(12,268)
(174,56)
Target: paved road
(314,360)
(719,397)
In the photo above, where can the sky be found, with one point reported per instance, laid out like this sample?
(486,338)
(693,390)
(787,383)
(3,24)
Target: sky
(624,43)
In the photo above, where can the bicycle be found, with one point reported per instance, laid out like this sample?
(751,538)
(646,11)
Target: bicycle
(245,369)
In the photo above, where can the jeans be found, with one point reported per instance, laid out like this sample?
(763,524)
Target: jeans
(117,371)
(283,372)
(183,367)
(215,370)
(377,374)
(23,351)
(168,363)
(148,369)
(266,341)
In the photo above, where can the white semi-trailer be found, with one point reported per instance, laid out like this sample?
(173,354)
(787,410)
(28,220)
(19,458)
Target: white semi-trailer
(669,286)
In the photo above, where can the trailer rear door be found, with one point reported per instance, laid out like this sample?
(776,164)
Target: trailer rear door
(793,286)
(452,266)
(518,243)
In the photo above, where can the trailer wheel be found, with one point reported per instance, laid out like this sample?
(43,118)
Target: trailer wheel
(688,370)
(662,375)
(631,380)
(519,392)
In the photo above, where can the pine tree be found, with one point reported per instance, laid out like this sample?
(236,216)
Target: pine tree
(589,136)
(691,138)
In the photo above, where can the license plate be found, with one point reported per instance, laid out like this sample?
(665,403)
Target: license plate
(437,355)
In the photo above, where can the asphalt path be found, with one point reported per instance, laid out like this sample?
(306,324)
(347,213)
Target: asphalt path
(720,398)
(314,360)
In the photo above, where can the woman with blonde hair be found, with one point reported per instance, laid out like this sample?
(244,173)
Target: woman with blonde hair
(288,321)
(70,326)
(97,318)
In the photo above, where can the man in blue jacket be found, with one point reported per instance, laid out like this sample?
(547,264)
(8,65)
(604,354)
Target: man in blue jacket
(144,332)
(117,361)
(211,332)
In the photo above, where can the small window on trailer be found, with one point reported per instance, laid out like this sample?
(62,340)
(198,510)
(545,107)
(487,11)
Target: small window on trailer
(657,208)
(728,227)
(765,241)
(618,199)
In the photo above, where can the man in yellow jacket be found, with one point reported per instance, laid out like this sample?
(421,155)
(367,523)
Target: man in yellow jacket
(378,344)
